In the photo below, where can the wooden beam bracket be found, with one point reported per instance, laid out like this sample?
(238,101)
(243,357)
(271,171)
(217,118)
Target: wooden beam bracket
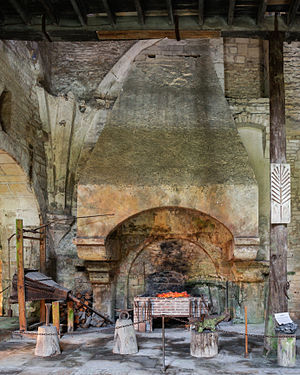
(110,14)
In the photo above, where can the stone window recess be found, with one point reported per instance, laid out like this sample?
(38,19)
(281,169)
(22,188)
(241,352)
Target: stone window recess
(5,110)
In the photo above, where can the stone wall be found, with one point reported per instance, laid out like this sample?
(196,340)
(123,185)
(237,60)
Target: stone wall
(80,67)
(292,91)
(50,122)
(252,113)
(244,61)
(22,158)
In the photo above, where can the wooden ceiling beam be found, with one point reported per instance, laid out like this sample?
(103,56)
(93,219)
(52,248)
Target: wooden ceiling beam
(140,12)
(78,12)
(110,14)
(21,11)
(292,11)
(200,12)
(2,17)
(261,11)
(230,16)
(50,11)
(170,11)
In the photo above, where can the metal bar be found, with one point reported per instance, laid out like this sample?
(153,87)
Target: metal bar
(261,11)
(78,12)
(21,279)
(201,12)
(170,12)
(231,12)
(293,11)
(50,11)
(21,11)
(110,14)
(163,344)
(31,238)
(72,298)
(246,333)
(140,12)
(43,270)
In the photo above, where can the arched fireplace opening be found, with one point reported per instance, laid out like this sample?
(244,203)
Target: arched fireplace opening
(171,249)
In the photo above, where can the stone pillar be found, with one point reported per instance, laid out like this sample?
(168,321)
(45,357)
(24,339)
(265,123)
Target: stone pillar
(103,289)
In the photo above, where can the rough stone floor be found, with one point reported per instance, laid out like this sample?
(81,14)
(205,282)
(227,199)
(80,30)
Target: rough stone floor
(90,353)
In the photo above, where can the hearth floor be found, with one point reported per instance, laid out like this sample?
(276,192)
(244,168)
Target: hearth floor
(90,353)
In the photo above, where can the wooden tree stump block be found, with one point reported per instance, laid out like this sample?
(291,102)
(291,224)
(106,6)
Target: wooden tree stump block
(125,338)
(204,344)
(286,351)
(47,343)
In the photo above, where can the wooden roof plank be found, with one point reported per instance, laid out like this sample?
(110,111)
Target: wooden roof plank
(231,12)
(78,12)
(25,16)
(140,12)
(110,14)
(201,12)
(170,11)
(293,11)
(261,11)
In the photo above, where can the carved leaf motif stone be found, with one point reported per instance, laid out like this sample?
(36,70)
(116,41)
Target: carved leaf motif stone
(280,193)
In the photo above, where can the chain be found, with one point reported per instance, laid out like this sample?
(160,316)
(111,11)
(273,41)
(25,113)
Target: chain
(179,320)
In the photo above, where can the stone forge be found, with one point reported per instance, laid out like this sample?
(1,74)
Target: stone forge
(171,166)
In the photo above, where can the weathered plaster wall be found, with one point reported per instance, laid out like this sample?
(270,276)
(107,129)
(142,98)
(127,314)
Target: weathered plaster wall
(150,154)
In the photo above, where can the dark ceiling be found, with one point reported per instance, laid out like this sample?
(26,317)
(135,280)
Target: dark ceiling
(82,20)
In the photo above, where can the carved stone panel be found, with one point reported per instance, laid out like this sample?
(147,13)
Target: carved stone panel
(280,193)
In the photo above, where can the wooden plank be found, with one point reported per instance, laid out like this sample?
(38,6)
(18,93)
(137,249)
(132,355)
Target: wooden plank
(294,6)
(21,279)
(55,316)
(201,12)
(231,12)
(110,14)
(42,311)
(261,11)
(155,34)
(78,12)
(140,12)
(25,16)
(170,11)
(70,311)
(277,299)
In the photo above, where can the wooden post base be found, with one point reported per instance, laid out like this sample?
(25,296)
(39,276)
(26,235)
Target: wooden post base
(47,343)
(125,338)
(204,344)
(286,351)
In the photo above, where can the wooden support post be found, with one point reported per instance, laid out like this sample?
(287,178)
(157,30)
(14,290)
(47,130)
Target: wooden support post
(246,333)
(43,270)
(21,280)
(70,308)
(277,299)
(55,316)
